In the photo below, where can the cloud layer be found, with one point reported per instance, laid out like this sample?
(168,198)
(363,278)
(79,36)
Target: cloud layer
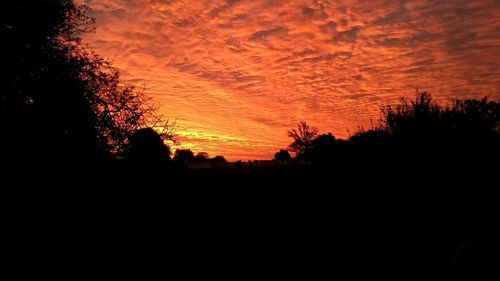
(238,74)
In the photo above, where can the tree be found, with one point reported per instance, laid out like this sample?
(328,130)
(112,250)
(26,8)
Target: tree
(282,155)
(326,150)
(421,130)
(417,118)
(323,141)
(146,146)
(426,123)
(201,157)
(44,111)
(302,137)
(218,161)
(57,99)
(183,156)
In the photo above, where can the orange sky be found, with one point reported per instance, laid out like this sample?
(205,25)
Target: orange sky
(238,74)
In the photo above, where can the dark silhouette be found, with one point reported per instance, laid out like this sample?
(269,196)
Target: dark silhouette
(411,131)
(302,137)
(146,147)
(466,123)
(432,166)
(282,155)
(201,157)
(218,161)
(183,156)
(59,101)
(325,149)
(467,131)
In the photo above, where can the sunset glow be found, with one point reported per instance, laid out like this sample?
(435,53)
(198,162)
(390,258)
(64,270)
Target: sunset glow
(236,75)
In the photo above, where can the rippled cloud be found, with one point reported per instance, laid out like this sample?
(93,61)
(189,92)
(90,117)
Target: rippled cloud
(237,74)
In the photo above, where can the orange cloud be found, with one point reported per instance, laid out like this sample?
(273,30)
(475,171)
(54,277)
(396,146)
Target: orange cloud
(237,74)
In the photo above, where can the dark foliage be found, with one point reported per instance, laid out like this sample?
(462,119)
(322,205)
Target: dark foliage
(59,101)
(146,146)
(218,161)
(183,156)
(322,149)
(302,138)
(282,155)
(201,157)
(422,129)
(417,131)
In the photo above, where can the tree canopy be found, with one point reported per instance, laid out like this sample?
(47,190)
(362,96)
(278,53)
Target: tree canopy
(282,155)
(412,130)
(302,138)
(146,146)
(59,100)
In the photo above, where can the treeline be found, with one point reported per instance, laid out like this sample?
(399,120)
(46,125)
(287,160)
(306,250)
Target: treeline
(418,130)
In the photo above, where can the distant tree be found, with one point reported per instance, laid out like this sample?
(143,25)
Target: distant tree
(219,158)
(201,157)
(282,155)
(302,137)
(183,156)
(147,146)
(218,161)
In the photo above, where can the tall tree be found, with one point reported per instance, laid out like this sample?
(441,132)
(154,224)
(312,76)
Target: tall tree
(57,99)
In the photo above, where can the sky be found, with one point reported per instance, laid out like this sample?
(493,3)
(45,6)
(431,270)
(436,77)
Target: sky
(236,75)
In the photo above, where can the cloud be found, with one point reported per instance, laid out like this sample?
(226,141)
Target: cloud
(348,36)
(329,27)
(317,14)
(266,34)
(238,74)
(400,15)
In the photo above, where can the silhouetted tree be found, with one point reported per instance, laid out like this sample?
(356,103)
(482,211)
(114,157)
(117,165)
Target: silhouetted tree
(475,120)
(282,155)
(418,118)
(424,123)
(322,148)
(57,99)
(420,130)
(219,161)
(325,149)
(183,156)
(323,141)
(146,146)
(373,142)
(201,157)
(302,137)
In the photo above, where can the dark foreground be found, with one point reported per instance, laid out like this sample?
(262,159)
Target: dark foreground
(408,223)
